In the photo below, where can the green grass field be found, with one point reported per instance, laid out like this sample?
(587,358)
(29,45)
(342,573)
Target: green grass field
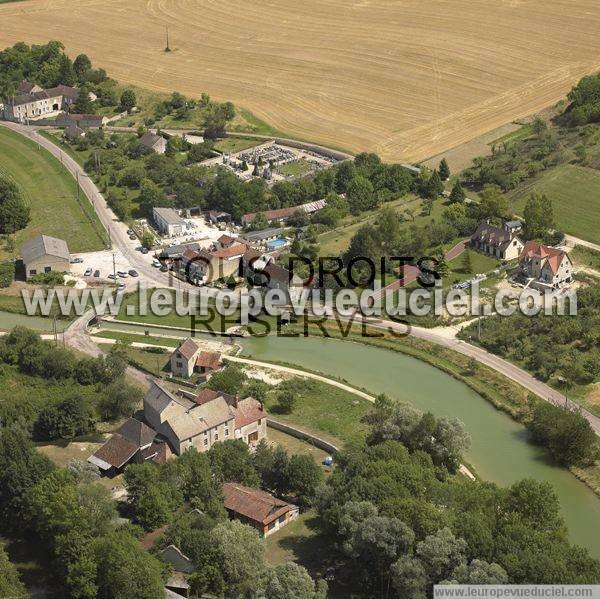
(479,264)
(236,144)
(51,193)
(575,193)
(298,168)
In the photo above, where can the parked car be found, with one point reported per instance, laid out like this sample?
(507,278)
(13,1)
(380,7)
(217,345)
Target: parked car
(133,273)
(96,273)
(122,274)
(132,237)
(164,268)
(144,250)
(76,260)
(88,272)
(156,263)
(121,287)
(112,276)
(130,232)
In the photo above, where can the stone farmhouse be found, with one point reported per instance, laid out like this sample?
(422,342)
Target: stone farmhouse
(200,423)
(189,358)
(501,243)
(545,268)
(33,103)
(174,424)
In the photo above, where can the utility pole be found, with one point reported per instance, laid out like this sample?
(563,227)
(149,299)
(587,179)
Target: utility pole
(114,268)
(168,48)
(77,177)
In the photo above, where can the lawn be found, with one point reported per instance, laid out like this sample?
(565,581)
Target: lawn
(575,194)
(586,257)
(157,363)
(480,263)
(135,338)
(51,193)
(336,241)
(297,168)
(296,446)
(236,144)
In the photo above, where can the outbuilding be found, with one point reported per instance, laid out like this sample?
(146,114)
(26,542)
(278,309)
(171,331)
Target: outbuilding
(45,254)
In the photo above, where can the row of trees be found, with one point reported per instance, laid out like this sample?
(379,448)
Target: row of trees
(14,211)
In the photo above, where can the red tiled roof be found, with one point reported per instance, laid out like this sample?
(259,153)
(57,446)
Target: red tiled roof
(532,249)
(207,395)
(237,249)
(117,451)
(226,240)
(254,504)
(209,359)
(248,410)
(159,452)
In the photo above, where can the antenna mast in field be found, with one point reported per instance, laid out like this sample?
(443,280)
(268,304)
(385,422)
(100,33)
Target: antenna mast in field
(168,48)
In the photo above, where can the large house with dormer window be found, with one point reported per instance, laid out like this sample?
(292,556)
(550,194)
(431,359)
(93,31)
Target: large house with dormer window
(545,267)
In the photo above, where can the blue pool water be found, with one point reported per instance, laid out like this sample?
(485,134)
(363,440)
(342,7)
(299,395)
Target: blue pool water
(276,243)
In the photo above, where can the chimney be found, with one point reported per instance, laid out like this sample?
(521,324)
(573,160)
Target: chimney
(236,400)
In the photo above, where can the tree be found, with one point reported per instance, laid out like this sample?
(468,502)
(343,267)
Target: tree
(434,186)
(493,203)
(128,100)
(147,240)
(66,73)
(14,212)
(83,104)
(568,435)
(304,476)
(409,578)
(539,216)
(119,400)
(126,569)
(466,266)
(10,583)
(360,195)
(539,126)
(231,461)
(229,380)
(478,572)
(440,554)
(289,581)
(444,170)
(286,400)
(457,195)
(82,64)
(240,553)
(344,174)
(65,420)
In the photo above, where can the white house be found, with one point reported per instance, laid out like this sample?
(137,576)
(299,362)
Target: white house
(550,268)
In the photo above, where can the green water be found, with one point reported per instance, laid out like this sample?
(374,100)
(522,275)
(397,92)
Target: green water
(8,320)
(499,451)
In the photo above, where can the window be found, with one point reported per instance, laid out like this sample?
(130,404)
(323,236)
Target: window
(205,442)
(227,432)
(179,364)
(47,269)
(32,272)
(216,436)
(271,525)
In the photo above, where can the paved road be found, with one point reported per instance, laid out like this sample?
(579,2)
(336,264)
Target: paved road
(570,240)
(497,363)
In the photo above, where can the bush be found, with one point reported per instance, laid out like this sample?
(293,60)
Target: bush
(7,273)
(568,435)
(65,420)
(48,278)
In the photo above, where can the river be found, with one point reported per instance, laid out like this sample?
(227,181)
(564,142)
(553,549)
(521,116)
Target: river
(499,452)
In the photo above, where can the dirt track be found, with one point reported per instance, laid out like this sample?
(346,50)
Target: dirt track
(406,78)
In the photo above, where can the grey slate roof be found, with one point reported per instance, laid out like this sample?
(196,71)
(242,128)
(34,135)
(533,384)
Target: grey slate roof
(158,398)
(264,234)
(137,432)
(150,139)
(169,215)
(43,245)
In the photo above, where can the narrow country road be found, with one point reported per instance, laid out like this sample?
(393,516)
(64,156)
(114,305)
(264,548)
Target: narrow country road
(573,241)
(297,372)
(77,336)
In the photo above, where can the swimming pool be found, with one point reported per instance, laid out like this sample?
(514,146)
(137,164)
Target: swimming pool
(276,243)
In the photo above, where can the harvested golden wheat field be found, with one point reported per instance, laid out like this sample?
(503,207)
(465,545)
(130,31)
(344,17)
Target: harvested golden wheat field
(405,78)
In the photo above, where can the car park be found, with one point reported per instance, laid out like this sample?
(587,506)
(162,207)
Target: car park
(88,272)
